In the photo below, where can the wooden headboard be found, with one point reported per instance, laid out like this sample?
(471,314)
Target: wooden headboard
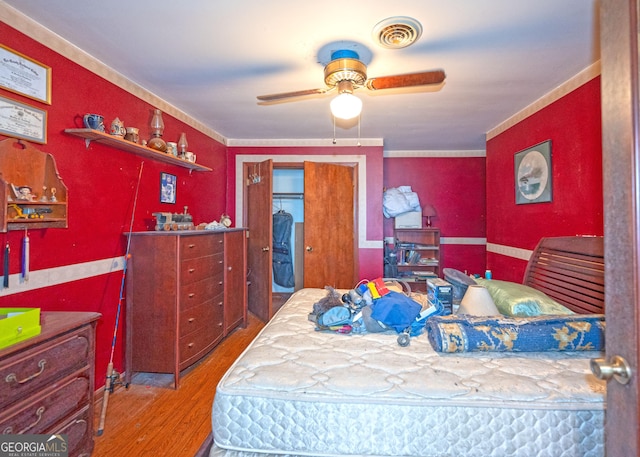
(569,269)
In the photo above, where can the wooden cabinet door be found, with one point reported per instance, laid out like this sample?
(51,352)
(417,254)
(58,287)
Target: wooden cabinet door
(330,240)
(259,181)
(235,283)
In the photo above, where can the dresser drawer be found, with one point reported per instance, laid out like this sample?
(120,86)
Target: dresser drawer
(201,317)
(195,293)
(37,367)
(57,404)
(79,431)
(199,268)
(193,345)
(201,245)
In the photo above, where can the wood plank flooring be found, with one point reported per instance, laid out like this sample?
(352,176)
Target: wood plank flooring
(150,419)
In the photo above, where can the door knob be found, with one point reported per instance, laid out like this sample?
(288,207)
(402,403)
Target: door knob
(309,249)
(265,249)
(617,368)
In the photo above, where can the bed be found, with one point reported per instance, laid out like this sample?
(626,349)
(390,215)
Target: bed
(297,391)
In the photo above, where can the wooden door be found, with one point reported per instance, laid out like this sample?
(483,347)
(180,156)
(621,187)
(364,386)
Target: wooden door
(621,162)
(330,240)
(259,195)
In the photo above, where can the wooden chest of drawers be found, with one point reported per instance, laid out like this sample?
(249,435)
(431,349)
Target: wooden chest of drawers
(47,382)
(185,291)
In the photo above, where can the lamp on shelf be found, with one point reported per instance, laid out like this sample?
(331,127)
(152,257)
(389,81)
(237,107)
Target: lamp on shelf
(428,211)
(157,129)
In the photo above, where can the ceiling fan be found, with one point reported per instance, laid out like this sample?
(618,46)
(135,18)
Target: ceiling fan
(346,73)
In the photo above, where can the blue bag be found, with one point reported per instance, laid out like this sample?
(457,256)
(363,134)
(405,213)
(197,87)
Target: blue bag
(395,310)
(333,317)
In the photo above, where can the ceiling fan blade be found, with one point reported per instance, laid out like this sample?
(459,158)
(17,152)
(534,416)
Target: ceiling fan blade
(299,93)
(412,79)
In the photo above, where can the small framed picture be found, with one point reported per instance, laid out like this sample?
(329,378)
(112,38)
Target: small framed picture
(167,188)
(533,174)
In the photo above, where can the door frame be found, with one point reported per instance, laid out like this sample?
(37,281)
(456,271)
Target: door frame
(279,159)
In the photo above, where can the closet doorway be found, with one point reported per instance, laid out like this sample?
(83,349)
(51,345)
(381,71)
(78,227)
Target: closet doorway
(329,229)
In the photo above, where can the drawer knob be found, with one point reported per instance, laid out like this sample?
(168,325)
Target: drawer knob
(191,319)
(11,377)
(191,246)
(191,295)
(190,345)
(191,270)
(229,268)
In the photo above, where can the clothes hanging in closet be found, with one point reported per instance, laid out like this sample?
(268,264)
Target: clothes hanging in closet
(282,256)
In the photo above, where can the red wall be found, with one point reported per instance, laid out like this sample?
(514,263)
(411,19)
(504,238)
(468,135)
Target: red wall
(456,189)
(101,184)
(572,123)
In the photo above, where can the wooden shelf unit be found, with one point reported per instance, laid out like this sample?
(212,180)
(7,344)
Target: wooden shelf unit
(134,148)
(418,254)
(21,164)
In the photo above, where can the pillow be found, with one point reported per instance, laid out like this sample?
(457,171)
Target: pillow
(513,299)
(463,333)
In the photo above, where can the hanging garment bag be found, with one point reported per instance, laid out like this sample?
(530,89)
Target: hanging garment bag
(282,256)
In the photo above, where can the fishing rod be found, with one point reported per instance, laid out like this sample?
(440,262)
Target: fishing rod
(111,380)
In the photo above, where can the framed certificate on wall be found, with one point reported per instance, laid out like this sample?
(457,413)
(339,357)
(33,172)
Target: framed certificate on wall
(24,76)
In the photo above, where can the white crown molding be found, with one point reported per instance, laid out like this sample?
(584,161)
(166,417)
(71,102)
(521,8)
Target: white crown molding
(41,34)
(434,154)
(572,84)
(308,142)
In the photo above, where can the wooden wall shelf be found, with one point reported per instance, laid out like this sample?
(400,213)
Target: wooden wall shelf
(21,164)
(135,148)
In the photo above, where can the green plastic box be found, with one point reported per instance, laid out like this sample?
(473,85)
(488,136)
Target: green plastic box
(18,324)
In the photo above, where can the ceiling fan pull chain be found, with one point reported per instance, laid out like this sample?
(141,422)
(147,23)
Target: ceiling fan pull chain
(334,130)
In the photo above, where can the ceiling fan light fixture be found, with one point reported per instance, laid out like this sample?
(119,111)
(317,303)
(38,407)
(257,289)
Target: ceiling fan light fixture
(346,106)
(397,32)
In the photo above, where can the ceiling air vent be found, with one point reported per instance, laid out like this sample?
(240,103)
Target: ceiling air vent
(397,32)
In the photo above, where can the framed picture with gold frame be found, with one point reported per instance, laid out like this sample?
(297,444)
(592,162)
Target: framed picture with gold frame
(23,121)
(533,174)
(24,75)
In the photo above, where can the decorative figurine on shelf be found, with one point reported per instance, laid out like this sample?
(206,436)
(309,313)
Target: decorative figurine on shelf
(53,195)
(157,129)
(182,145)
(117,128)
(43,197)
(22,193)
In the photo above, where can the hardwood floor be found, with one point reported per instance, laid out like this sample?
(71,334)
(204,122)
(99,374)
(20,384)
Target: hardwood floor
(153,419)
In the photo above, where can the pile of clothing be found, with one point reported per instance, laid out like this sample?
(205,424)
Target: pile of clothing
(374,307)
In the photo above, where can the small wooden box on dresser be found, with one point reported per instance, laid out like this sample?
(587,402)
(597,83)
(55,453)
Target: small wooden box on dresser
(186,290)
(47,381)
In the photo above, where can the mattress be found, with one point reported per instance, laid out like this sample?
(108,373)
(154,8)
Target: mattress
(297,391)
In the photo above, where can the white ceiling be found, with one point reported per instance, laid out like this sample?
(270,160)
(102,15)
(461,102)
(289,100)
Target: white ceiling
(211,59)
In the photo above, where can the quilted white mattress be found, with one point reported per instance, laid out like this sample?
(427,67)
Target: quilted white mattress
(296,391)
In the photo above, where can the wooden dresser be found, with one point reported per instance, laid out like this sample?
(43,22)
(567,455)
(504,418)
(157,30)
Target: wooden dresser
(47,382)
(186,290)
